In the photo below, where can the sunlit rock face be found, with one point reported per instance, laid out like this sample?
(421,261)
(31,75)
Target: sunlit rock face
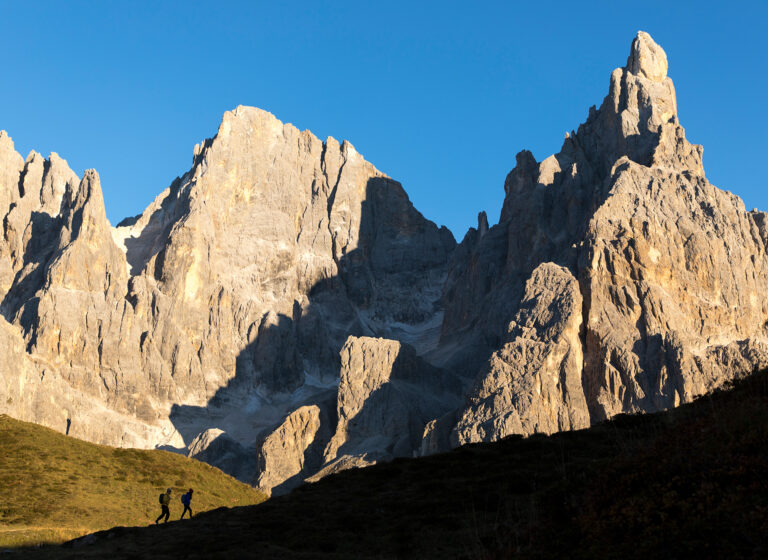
(283,312)
(617,279)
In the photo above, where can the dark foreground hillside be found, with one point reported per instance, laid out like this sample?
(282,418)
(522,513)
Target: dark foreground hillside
(54,488)
(689,482)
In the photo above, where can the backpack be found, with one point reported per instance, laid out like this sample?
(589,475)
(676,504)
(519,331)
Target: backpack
(185,499)
(161,499)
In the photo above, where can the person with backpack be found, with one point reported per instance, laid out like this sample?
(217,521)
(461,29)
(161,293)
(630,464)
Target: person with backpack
(186,499)
(165,501)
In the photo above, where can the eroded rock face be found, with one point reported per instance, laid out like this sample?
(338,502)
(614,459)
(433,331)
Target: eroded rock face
(282,311)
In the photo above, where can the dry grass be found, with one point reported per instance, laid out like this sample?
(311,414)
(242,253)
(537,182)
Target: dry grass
(54,488)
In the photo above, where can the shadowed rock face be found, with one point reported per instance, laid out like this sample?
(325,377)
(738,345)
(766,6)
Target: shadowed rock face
(282,311)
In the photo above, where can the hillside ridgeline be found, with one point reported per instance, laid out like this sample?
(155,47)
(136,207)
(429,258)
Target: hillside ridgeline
(689,482)
(54,488)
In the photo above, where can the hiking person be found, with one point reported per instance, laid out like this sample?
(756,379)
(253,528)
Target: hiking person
(165,501)
(186,499)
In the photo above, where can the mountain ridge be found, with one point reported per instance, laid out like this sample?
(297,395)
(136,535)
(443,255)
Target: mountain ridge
(283,311)
(178,268)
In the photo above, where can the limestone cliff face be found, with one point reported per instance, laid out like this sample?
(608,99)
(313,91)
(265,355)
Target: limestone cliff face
(282,311)
(651,281)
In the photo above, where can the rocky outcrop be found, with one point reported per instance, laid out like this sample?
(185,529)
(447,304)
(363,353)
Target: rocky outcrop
(216,446)
(293,451)
(386,396)
(31,197)
(533,382)
(282,311)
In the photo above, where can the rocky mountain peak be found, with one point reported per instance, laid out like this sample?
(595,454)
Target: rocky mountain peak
(647,59)
(637,120)
(85,212)
(660,276)
(6,143)
(248,120)
(11,164)
(233,292)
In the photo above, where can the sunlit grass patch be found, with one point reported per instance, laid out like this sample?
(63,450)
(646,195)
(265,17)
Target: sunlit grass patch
(54,488)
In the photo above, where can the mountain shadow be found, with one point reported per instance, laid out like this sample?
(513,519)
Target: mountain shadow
(389,286)
(43,235)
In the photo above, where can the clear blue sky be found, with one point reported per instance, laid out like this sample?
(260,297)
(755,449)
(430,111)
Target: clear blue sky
(439,95)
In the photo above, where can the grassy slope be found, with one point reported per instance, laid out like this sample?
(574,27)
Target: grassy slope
(54,488)
(691,482)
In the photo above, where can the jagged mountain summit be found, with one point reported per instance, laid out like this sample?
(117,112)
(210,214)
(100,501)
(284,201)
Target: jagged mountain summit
(214,322)
(617,279)
(282,311)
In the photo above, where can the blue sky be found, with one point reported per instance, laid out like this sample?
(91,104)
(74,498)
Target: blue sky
(438,95)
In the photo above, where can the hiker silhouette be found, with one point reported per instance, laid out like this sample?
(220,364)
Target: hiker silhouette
(186,499)
(165,500)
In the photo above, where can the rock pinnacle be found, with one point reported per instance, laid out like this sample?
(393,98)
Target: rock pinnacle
(647,59)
